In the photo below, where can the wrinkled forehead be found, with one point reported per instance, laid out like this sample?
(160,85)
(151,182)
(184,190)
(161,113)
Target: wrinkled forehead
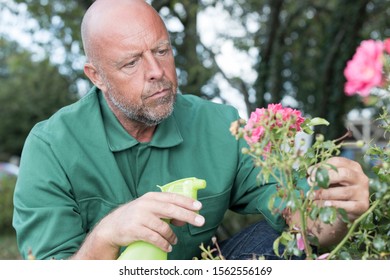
(133,37)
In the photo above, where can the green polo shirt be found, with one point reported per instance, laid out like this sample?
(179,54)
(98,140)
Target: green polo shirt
(80,164)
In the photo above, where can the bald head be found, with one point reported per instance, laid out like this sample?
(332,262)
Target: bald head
(107,19)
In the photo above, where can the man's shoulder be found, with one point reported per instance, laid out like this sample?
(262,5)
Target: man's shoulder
(75,116)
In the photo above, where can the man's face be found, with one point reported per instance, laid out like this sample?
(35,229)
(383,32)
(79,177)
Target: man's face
(138,72)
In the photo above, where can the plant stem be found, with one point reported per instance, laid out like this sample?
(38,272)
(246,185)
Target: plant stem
(304,234)
(302,212)
(352,228)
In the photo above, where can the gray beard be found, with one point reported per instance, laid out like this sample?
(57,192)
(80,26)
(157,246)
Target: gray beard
(144,115)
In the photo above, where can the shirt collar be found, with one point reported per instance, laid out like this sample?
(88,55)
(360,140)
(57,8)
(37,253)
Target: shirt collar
(167,133)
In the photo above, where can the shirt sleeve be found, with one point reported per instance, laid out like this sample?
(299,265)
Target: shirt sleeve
(46,216)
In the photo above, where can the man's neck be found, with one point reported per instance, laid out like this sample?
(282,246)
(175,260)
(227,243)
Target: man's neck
(139,131)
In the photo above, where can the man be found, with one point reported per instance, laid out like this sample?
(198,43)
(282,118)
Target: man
(88,175)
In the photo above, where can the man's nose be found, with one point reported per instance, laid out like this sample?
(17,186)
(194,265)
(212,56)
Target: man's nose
(153,68)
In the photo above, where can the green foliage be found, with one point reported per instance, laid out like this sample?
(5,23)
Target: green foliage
(369,235)
(30,91)
(7,186)
(270,134)
(272,149)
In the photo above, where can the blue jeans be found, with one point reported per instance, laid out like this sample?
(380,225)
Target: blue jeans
(251,243)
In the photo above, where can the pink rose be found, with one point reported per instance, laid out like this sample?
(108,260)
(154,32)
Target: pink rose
(276,116)
(252,128)
(387,45)
(255,135)
(364,71)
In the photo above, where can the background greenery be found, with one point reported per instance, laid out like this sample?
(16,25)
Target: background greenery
(297,52)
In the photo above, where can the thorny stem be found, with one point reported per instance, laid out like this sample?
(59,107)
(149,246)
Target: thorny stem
(352,228)
(304,234)
(308,249)
(302,215)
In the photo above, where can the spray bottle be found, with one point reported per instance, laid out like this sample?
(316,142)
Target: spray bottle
(141,250)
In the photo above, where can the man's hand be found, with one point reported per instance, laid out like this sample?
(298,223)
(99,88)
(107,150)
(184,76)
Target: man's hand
(348,188)
(141,219)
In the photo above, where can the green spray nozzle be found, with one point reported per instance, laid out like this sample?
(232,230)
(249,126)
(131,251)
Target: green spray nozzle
(141,250)
(188,187)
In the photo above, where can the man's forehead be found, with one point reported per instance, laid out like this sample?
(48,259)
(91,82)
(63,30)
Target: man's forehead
(123,18)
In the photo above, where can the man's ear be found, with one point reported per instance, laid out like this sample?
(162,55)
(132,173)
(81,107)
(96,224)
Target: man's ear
(93,74)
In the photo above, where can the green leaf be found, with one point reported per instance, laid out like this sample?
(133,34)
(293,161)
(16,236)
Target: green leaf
(328,145)
(343,214)
(331,166)
(286,236)
(371,100)
(313,240)
(308,130)
(314,212)
(368,223)
(345,256)
(318,121)
(322,178)
(379,243)
(328,215)
(276,246)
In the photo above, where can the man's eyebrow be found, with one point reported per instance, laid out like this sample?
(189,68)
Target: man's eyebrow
(163,43)
(126,57)
(135,54)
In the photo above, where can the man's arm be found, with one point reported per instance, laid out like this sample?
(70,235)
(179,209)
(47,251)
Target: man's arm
(140,219)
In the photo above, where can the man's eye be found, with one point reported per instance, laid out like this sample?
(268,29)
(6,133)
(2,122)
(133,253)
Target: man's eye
(162,51)
(131,63)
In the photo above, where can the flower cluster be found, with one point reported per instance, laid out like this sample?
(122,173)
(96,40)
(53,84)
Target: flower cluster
(271,135)
(274,116)
(267,125)
(367,69)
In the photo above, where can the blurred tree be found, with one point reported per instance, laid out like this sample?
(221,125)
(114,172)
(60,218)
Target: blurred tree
(62,20)
(30,92)
(297,49)
(301,50)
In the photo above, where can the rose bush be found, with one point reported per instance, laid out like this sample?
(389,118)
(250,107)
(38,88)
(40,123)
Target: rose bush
(271,137)
(271,134)
(369,237)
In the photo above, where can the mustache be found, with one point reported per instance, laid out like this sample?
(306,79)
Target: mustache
(155,87)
